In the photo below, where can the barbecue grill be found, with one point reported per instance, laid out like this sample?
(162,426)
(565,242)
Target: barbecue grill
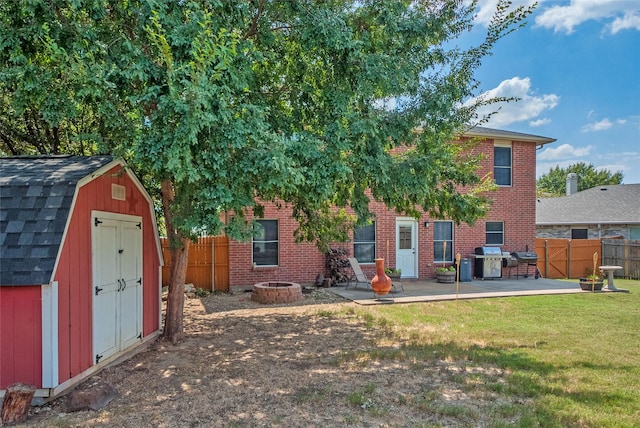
(522,258)
(488,262)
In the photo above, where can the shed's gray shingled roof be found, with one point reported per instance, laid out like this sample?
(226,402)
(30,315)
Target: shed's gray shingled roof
(35,198)
(615,204)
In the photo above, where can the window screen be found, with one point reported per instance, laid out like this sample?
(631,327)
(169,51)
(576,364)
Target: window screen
(443,232)
(502,165)
(579,234)
(494,233)
(265,243)
(364,243)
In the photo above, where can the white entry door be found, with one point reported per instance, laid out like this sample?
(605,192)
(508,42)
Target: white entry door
(406,247)
(117,282)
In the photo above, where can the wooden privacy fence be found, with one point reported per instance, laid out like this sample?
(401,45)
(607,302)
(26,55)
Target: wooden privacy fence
(208,265)
(573,258)
(625,253)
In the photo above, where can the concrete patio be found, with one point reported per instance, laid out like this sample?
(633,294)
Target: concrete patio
(409,290)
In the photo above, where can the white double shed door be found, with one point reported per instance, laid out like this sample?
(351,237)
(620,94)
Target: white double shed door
(116,241)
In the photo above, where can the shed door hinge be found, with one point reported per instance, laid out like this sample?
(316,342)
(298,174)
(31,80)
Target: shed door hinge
(96,221)
(139,226)
(98,358)
(98,289)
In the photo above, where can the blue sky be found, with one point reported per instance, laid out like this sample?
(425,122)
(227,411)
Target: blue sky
(576,69)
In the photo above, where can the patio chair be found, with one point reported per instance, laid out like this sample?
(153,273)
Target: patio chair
(359,277)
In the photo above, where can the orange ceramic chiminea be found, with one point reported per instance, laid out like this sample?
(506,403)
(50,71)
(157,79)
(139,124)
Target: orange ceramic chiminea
(380,283)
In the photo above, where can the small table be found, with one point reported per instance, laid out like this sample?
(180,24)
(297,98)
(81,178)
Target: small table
(608,270)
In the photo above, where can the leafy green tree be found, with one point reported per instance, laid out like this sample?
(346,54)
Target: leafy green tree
(553,183)
(229,104)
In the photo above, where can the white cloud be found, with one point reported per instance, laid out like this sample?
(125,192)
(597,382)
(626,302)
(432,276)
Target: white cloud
(618,15)
(564,151)
(562,156)
(544,167)
(486,9)
(612,167)
(601,125)
(627,22)
(539,122)
(529,105)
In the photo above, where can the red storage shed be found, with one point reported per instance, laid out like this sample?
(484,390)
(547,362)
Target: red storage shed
(80,268)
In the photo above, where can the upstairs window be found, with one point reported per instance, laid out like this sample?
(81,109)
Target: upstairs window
(265,243)
(364,243)
(502,165)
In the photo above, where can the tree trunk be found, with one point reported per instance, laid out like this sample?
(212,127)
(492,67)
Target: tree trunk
(173,325)
(16,404)
(179,247)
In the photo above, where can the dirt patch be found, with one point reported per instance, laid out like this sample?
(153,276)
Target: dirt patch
(293,365)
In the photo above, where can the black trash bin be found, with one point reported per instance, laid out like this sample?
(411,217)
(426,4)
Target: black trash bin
(465,270)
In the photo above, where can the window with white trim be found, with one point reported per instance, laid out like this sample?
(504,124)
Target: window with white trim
(265,243)
(443,242)
(364,243)
(502,165)
(494,233)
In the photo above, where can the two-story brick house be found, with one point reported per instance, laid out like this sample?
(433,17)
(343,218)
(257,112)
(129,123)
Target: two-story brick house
(413,245)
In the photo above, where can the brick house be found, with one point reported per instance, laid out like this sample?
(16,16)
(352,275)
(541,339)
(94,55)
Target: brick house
(413,245)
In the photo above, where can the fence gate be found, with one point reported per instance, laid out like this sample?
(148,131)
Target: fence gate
(208,265)
(567,258)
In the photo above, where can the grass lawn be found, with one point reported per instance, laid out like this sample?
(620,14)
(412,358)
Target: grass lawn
(574,360)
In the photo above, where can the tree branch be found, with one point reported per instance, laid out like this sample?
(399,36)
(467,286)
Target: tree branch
(253,29)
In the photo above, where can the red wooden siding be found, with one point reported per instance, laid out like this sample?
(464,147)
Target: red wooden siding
(21,337)
(74,271)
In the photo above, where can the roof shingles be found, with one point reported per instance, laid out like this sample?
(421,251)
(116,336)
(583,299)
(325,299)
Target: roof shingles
(613,204)
(35,199)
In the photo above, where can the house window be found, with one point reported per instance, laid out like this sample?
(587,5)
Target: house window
(265,243)
(634,233)
(502,165)
(443,233)
(364,243)
(494,233)
(579,234)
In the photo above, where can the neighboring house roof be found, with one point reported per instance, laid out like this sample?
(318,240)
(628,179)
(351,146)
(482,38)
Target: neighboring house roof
(482,132)
(36,194)
(614,204)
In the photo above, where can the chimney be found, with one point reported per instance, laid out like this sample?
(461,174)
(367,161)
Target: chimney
(572,183)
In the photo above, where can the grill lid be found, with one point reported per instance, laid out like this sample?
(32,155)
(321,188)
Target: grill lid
(488,251)
(525,256)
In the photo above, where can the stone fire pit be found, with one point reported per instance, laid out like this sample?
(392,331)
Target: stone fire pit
(276,292)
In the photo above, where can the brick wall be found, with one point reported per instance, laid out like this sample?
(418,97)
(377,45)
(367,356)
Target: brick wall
(593,231)
(514,205)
